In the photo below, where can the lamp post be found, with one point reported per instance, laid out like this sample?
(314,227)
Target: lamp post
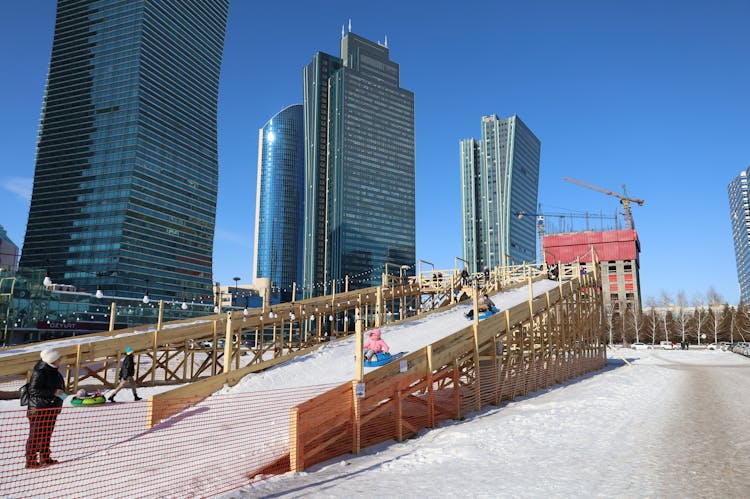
(146,299)
(236,291)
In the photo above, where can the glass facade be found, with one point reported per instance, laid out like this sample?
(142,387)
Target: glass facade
(368,200)
(279,211)
(8,252)
(739,210)
(125,185)
(499,179)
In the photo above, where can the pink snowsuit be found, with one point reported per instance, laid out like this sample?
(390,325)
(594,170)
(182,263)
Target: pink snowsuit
(374,344)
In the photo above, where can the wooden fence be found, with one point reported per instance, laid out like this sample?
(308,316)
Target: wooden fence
(551,338)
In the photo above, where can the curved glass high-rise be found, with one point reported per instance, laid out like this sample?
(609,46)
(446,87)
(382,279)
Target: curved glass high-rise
(125,185)
(499,179)
(279,212)
(739,209)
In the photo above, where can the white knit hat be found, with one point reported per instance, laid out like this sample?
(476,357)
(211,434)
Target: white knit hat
(50,355)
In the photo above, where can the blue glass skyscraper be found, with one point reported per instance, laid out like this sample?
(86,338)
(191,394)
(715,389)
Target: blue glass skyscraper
(125,185)
(739,210)
(280,196)
(360,184)
(499,180)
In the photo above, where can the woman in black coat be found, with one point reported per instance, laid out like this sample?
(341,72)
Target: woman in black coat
(46,393)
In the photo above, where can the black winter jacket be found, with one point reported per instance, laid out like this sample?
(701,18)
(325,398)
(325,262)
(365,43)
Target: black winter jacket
(45,380)
(127,368)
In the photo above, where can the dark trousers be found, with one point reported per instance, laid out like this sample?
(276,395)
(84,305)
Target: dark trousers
(41,425)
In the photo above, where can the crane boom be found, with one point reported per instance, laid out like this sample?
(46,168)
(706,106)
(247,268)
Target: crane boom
(624,200)
(639,202)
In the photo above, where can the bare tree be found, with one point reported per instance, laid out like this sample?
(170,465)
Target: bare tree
(713,297)
(715,319)
(682,316)
(637,318)
(666,302)
(700,315)
(610,313)
(652,318)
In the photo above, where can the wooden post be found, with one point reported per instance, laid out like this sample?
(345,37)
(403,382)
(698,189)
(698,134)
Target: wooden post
(227,344)
(214,340)
(112,313)
(430,391)
(378,306)
(358,347)
(78,367)
(346,284)
(356,420)
(294,291)
(154,353)
(399,416)
(296,456)
(160,320)
(456,390)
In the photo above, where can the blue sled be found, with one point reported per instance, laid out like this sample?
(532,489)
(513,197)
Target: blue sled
(483,315)
(383,359)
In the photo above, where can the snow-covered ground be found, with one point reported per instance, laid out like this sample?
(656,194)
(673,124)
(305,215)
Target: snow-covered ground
(674,424)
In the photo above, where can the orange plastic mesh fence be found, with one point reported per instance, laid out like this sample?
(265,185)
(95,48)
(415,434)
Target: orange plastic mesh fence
(107,450)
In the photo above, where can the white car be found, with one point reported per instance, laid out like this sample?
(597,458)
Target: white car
(713,346)
(639,346)
(666,345)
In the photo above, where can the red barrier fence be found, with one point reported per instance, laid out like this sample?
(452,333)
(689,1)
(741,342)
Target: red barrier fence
(107,450)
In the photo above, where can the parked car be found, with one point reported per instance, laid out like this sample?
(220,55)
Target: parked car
(640,346)
(713,346)
(666,345)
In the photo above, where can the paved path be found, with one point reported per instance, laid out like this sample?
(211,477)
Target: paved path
(706,450)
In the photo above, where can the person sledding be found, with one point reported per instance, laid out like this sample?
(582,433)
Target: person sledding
(374,346)
(82,397)
(485,305)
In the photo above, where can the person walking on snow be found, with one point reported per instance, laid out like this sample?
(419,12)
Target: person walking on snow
(374,345)
(127,371)
(46,390)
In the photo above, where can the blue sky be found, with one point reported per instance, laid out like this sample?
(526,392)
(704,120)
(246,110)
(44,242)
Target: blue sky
(653,95)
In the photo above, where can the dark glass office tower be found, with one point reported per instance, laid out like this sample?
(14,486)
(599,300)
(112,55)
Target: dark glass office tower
(280,201)
(499,179)
(368,204)
(126,172)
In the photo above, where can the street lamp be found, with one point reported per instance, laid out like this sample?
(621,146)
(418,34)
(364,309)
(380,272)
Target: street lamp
(236,291)
(146,299)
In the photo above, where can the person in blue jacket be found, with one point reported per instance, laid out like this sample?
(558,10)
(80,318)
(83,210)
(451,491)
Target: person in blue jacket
(46,391)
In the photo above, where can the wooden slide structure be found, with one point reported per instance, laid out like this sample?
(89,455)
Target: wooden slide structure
(189,350)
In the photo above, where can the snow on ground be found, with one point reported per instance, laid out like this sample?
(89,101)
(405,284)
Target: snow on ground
(671,425)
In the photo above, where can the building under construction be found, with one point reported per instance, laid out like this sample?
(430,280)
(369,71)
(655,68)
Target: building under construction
(618,254)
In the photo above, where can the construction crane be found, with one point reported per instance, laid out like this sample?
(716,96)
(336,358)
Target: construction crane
(624,199)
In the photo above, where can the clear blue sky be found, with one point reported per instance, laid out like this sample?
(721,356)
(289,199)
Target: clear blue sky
(650,94)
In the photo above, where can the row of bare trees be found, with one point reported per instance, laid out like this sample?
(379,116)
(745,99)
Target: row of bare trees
(704,320)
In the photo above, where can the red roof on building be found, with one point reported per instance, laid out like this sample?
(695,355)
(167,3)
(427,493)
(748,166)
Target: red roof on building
(608,245)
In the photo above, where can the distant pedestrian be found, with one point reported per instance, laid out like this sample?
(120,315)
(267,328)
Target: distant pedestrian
(486,273)
(127,371)
(46,394)
(464,277)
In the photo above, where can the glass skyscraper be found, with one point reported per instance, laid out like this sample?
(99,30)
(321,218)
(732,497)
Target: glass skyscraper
(499,180)
(125,185)
(739,210)
(361,122)
(280,196)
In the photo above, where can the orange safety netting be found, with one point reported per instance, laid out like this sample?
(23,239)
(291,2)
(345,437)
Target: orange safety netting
(108,451)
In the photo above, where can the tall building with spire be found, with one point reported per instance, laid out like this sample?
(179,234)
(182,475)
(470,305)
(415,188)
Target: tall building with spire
(739,211)
(359,167)
(125,186)
(279,202)
(499,181)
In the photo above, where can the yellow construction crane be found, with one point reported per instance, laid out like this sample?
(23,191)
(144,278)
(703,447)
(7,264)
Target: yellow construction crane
(624,199)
